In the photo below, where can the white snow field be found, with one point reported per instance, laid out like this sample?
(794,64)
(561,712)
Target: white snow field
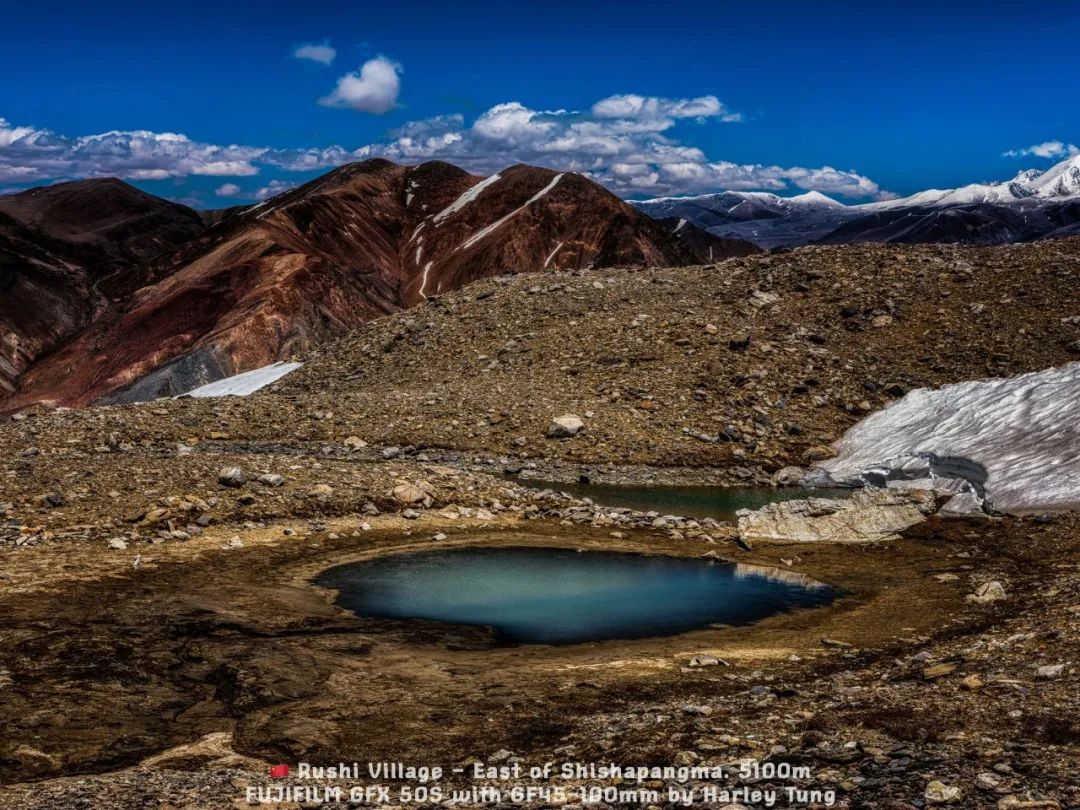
(1024,431)
(240,385)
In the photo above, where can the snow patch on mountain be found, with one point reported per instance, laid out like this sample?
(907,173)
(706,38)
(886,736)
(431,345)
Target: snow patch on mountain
(771,221)
(476,237)
(466,198)
(1060,181)
(240,385)
(1016,440)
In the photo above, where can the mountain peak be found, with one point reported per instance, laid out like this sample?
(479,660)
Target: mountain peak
(815,198)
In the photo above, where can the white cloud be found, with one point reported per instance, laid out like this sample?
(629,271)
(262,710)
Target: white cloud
(28,154)
(625,142)
(227,190)
(273,188)
(323,53)
(373,89)
(1047,149)
(513,123)
(662,112)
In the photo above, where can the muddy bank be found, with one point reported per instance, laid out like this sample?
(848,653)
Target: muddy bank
(210,640)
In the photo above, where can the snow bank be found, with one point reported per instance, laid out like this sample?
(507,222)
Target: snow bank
(1019,435)
(240,385)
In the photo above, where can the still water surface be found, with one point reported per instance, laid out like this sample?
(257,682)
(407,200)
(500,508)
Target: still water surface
(716,502)
(560,596)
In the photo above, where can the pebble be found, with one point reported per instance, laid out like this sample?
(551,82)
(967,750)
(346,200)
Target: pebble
(1049,672)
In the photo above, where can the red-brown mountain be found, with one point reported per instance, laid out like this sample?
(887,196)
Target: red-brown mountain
(67,252)
(266,282)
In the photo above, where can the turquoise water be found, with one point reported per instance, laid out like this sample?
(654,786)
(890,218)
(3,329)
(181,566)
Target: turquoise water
(716,502)
(559,596)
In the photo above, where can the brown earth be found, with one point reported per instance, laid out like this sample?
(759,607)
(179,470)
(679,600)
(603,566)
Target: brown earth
(200,641)
(745,366)
(174,666)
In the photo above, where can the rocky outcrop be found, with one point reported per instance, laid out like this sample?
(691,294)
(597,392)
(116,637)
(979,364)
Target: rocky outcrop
(868,515)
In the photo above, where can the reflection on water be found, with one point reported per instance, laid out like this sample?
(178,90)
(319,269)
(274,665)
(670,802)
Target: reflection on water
(558,596)
(716,502)
(778,575)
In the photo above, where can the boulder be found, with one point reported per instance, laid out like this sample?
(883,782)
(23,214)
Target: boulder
(788,476)
(986,593)
(940,793)
(231,477)
(408,494)
(563,427)
(868,515)
(321,492)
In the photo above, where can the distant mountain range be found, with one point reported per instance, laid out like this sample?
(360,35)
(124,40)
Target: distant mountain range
(1033,205)
(111,294)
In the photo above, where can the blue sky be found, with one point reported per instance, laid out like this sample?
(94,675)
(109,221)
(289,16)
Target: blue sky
(857,100)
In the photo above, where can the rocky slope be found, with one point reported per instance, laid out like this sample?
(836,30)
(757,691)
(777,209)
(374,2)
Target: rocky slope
(162,637)
(745,366)
(755,361)
(71,253)
(277,279)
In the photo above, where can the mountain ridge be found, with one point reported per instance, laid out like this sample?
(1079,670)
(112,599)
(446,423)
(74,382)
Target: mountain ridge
(254,285)
(1034,204)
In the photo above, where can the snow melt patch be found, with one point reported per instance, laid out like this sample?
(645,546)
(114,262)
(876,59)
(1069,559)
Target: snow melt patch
(1023,431)
(423,280)
(476,237)
(465,198)
(240,385)
(551,255)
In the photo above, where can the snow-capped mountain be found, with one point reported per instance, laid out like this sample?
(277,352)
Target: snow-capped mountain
(766,219)
(1034,204)
(1056,183)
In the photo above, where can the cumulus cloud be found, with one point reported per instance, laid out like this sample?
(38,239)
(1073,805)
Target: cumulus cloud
(626,142)
(623,142)
(1047,149)
(323,53)
(373,89)
(28,154)
(662,112)
(227,190)
(273,188)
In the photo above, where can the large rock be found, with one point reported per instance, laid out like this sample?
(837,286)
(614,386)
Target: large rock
(988,592)
(868,515)
(563,427)
(408,494)
(231,477)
